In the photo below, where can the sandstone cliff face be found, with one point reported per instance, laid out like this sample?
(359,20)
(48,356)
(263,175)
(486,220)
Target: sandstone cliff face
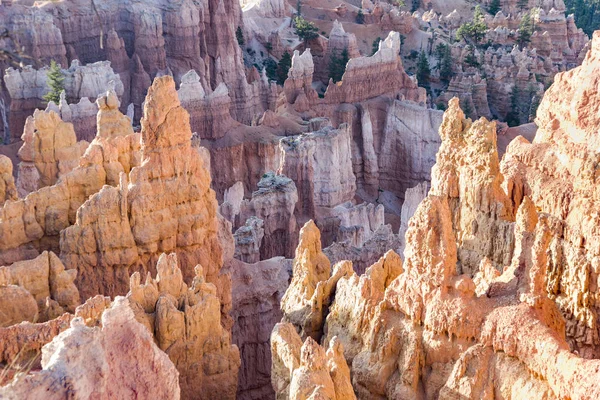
(359,83)
(186,324)
(257,290)
(320,164)
(470,312)
(50,150)
(165,204)
(559,173)
(31,225)
(8,190)
(45,290)
(302,371)
(104,369)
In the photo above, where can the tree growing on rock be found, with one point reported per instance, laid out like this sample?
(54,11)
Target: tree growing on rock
(423,70)
(444,62)
(283,67)
(337,65)
(513,118)
(474,30)
(494,7)
(375,46)
(526,29)
(55,82)
(305,30)
(360,17)
(239,35)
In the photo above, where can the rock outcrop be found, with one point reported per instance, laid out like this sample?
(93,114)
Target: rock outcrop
(8,190)
(164,205)
(302,371)
(257,290)
(32,225)
(471,311)
(28,86)
(186,324)
(557,170)
(50,150)
(43,280)
(104,369)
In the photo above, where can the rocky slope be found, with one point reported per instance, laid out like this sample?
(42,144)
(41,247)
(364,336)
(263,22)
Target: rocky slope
(476,308)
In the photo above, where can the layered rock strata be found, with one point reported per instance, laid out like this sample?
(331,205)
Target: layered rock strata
(165,204)
(32,225)
(186,324)
(104,369)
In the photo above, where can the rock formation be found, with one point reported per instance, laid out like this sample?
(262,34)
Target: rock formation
(186,324)
(164,205)
(257,290)
(43,280)
(474,308)
(27,88)
(8,190)
(32,225)
(302,371)
(558,172)
(104,369)
(50,150)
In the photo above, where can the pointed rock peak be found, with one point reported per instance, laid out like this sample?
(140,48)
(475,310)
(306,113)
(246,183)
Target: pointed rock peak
(392,41)
(169,277)
(137,64)
(221,90)
(190,77)
(312,356)
(527,216)
(165,123)
(310,239)
(453,122)
(302,63)
(337,29)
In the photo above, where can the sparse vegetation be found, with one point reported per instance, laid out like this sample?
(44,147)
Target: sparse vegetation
(423,70)
(283,67)
(526,29)
(474,30)
(587,14)
(239,35)
(360,17)
(494,7)
(55,82)
(337,65)
(305,30)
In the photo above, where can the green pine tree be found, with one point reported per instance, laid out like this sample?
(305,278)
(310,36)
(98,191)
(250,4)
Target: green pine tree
(513,118)
(494,7)
(423,70)
(305,30)
(526,29)
(522,4)
(446,71)
(375,46)
(337,65)
(56,83)
(239,35)
(283,67)
(474,30)
(271,69)
(360,17)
